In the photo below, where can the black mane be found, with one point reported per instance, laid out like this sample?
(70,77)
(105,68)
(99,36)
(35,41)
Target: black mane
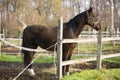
(77,18)
(77,23)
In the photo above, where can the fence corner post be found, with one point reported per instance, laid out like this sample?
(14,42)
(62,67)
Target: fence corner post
(99,51)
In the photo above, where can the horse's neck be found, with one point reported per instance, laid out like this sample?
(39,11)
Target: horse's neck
(78,25)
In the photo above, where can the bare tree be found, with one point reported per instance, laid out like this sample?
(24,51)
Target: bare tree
(47,12)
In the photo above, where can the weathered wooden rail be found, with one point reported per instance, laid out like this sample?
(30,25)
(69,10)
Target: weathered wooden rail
(89,59)
(87,40)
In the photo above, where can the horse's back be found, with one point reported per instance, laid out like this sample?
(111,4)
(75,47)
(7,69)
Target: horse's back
(34,28)
(39,35)
(29,35)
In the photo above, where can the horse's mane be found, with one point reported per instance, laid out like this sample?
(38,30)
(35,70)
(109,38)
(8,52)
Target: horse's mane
(77,18)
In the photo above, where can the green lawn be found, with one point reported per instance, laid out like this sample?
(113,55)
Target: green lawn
(110,74)
(107,48)
(84,48)
(11,58)
(47,59)
(19,58)
(104,74)
(115,60)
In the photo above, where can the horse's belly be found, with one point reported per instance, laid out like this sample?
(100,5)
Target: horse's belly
(48,48)
(47,45)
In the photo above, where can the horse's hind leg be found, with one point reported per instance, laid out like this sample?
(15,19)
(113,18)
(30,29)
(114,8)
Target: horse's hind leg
(28,56)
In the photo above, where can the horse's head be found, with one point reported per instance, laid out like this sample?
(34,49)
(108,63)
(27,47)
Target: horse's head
(92,20)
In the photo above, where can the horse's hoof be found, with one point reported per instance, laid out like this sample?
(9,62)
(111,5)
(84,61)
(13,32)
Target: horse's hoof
(31,72)
(67,73)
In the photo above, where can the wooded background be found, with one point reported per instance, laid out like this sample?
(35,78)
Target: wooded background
(47,13)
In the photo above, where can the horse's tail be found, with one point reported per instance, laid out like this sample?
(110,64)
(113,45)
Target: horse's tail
(23,41)
(24,45)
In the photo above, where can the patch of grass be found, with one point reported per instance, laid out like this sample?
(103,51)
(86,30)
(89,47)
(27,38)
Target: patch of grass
(110,46)
(45,59)
(107,47)
(11,58)
(84,48)
(19,58)
(111,74)
(115,60)
(48,58)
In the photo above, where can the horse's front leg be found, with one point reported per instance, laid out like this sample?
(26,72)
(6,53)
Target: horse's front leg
(68,58)
(64,58)
(63,68)
(28,56)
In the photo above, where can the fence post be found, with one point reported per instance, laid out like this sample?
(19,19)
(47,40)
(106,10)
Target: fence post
(3,36)
(118,32)
(19,42)
(89,33)
(0,29)
(93,33)
(78,48)
(59,48)
(114,38)
(99,62)
(107,33)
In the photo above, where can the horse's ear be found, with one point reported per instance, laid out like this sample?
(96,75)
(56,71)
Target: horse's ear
(90,9)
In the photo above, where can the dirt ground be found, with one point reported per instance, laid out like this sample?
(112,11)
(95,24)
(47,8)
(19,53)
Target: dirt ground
(9,70)
(9,49)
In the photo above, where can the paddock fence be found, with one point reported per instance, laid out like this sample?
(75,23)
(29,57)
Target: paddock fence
(97,37)
(99,41)
(88,37)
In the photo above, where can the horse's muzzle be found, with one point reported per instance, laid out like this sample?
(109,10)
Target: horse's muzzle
(97,26)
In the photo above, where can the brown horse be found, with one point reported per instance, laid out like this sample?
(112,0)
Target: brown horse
(37,35)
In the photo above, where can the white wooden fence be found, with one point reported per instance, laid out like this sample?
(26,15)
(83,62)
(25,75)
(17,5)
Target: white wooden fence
(93,33)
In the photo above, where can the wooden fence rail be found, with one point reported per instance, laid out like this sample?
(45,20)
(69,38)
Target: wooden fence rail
(87,40)
(88,59)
